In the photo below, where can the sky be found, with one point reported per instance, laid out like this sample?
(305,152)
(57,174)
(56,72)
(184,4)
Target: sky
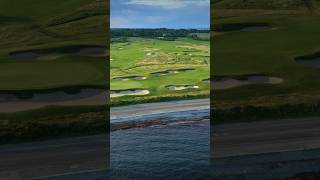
(160,14)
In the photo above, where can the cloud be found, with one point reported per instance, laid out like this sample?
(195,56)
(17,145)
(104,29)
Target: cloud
(118,22)
(169,4)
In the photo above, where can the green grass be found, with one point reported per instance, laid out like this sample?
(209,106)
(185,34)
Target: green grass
(52,122)
(43,25)
(28,26)
(270,52)
(131,59)
(265,4)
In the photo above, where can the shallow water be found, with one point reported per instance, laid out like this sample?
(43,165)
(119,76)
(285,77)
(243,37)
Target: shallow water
(174,151)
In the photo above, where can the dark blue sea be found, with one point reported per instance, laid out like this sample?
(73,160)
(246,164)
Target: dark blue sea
(178,150)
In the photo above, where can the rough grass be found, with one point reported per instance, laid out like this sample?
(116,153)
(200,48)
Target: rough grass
(52,122)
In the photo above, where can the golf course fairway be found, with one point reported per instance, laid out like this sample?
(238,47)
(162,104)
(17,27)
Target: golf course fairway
(271,38)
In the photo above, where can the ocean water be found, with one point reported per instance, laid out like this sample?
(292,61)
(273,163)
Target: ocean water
(178,150)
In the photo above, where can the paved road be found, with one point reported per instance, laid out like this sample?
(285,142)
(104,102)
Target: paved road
(159,108)
(265,137)
(57,157)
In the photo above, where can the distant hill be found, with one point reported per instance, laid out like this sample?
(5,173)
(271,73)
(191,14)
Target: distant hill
(266,4)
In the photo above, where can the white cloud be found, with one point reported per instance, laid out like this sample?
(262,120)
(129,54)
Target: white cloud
(170,4)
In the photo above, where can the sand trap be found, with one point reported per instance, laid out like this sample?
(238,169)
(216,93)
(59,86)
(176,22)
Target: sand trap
(51,96)
(93,51)
(181,87)
(257,28)
(312,60)
(55,53)
(221,83)
(166,72)
(185,70)
(126,78)
(170,71)
(215,33)
(89,97)
(207,81)
(25,55)
(220,28)
(130,92)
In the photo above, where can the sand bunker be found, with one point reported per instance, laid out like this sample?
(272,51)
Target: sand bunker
(166,72)
(181,87)
(126,78)
(93,51)
(221,83)
(11,102)
(312,60)
(170,71)
(129,92)
(257,28)
(207,81)
(51,96)
(242,27)
(185,70)
(55,53)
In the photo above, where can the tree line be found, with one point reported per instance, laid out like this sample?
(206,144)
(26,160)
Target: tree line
(154,33)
